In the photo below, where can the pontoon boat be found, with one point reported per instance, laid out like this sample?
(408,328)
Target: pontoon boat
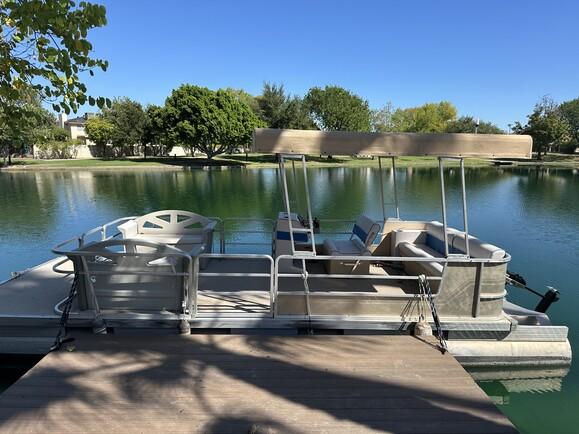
(176,271)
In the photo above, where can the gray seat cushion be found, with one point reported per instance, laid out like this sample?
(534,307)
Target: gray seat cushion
(352,247)
(457,244)
(407,249)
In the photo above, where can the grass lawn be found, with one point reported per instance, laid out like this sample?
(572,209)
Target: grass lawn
(266,160)
(238,160)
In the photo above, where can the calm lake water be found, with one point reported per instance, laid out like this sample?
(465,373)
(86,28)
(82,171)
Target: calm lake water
(532,213)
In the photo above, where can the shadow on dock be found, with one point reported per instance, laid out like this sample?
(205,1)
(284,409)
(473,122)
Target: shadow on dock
(226,383)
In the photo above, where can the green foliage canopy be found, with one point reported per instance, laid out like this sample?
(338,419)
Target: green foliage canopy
(100,131)
(44,45)
(212,122)
(382,119)
(128,119)
(23,123)
(468,124)
(427,118)
(279,110)
(570,112)
(546,125)
(246,98)
(155,131)
(336,109)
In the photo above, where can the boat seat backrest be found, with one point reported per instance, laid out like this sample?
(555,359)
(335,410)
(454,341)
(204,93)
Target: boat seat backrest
(173,222)
(365,229)
(457,243)
(132,275)
(433,237)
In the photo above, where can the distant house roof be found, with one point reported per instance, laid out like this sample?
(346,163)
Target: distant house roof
(81,120)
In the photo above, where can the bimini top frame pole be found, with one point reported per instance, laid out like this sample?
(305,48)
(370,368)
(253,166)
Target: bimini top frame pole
(302,142)
(382,198)
(310,229)
(443,203)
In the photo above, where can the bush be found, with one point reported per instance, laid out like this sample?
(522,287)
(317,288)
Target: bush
(57,149)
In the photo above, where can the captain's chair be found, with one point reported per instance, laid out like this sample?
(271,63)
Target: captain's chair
(363,234)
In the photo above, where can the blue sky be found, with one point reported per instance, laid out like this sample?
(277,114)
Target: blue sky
(492,59)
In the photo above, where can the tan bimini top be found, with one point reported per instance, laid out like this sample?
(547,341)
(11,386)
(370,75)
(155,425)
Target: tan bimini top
(274,141)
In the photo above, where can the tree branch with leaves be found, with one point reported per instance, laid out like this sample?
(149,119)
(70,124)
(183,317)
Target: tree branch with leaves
(44,46)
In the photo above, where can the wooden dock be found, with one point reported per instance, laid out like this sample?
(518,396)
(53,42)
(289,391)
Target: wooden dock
(249,384)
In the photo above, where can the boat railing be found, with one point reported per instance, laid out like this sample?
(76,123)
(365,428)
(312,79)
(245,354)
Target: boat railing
(232,236)
(229,234)
(270,275)
(273,273)
(355,260)
(81,240)
(188,275)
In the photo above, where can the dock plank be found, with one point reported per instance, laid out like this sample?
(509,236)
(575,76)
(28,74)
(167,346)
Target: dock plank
(242,384)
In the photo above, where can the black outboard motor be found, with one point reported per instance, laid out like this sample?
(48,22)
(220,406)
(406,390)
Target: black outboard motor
(547,299)
(550,297)
(316,225)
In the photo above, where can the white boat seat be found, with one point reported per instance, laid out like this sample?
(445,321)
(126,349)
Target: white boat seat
(457,244)
(184,230)
(433,237)
(352,247)
(363,234)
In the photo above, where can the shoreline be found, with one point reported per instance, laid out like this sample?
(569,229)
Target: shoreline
(267,162)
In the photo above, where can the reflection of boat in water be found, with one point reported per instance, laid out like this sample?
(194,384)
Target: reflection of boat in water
(499,384)
(173,270)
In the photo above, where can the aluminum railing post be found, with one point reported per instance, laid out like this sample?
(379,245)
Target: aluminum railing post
(464,207)
(443,200)
(310,216)
(286,199)
(382,188)
(395,187)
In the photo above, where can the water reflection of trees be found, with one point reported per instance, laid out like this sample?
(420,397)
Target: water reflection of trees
(549,191)
(32,201)
(223,193)
(28,201)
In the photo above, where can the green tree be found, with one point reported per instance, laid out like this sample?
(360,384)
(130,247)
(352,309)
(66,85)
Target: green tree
(297,115)
(570,111)
(44,45)
(59,134)
(382,119)
(246,98)
(54,142)
(336,109)
(427,118)
(467,124)
(280,110)
(155,132)
(546,126)
(211,121)
(50,132)
(272,104)
(100,131)
(22,123)
(129,120)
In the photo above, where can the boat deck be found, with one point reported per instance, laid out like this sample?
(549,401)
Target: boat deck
(241,384)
